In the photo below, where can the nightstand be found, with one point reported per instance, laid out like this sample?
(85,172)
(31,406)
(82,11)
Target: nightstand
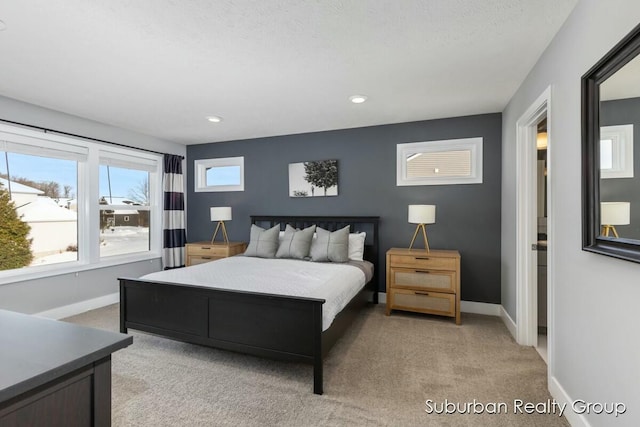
(424,282)
(200,252)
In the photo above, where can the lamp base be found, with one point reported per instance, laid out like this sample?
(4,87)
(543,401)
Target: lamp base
(606,229)
(424,235)
(224,233)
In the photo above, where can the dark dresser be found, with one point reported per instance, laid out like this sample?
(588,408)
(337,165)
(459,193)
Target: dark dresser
(55,373)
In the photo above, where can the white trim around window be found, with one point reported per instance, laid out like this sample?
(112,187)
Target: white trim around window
(616,161)
(202,166)
(453,161)
(88,155)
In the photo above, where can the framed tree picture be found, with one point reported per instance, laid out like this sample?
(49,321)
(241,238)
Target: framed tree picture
(313,179)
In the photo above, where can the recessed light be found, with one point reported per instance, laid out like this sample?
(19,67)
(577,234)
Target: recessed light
(214,119)
(3,26)
(358,99)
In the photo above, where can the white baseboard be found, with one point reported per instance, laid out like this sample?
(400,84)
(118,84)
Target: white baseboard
(80,307)
(509,323)
(465,306)
(485,308)
(561,396)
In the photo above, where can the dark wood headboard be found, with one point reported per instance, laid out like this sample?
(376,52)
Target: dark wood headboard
(367,224)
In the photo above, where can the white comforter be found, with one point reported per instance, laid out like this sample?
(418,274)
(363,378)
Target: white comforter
(335,283)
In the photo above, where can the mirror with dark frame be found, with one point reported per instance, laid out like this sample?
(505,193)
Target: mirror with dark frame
(611,152)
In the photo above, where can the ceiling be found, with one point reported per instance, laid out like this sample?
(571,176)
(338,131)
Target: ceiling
(624,83)
(270,67)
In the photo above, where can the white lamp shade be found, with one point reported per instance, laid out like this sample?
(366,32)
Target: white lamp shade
(615,213)
(221,214)
(422,214)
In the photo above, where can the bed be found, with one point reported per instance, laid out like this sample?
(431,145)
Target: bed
(283,327)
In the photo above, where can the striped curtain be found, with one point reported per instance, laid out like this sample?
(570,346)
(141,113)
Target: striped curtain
(174,237)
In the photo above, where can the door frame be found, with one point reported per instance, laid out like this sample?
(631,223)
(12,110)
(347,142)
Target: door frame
(526,224)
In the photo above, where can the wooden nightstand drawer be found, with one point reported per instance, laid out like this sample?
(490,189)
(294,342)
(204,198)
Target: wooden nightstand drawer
(193,260)
(201,252)
(423,261)
(435,280)
(208,250)
(424,302)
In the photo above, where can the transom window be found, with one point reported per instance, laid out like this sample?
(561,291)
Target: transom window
(616,151)
(221,174)
(454,161)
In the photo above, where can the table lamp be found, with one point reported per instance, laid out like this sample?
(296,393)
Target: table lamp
(612,214)
(421,215)
(221,214)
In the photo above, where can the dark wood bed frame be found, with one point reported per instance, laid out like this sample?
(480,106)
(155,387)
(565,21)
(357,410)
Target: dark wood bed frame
(266,325)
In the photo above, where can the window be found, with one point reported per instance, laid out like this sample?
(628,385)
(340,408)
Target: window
(222,174)
(128,209)
(616,151)
(455,161)
(124,194)
(39,188)
(78,204)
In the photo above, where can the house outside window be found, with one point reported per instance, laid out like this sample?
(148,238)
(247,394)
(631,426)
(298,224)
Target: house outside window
(77,204)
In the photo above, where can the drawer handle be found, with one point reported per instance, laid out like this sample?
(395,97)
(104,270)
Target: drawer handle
(421,293)
(205,257)
(205,247)
(423,271)
(423,258)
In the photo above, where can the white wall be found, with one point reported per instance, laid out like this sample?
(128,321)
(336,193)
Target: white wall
(35,296)
(596,343)
(47,294)
(20,199)
(49,237)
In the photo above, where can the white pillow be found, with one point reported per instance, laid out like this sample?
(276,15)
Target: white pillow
(356,246)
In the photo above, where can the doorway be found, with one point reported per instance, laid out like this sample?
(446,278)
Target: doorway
(542,145)
(534,223)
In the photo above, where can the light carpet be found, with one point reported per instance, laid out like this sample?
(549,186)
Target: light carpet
(380,373)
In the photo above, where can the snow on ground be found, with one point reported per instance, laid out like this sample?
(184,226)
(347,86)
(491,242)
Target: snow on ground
(124,240)
(113,241)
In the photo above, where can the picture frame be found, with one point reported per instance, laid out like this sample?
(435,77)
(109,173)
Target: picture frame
(318,178)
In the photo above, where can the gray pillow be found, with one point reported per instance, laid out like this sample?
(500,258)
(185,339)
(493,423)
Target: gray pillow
(295,243)
(328,246)
(263,243)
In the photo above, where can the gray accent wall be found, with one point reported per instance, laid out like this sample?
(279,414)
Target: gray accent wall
(467,216)
(624,112)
